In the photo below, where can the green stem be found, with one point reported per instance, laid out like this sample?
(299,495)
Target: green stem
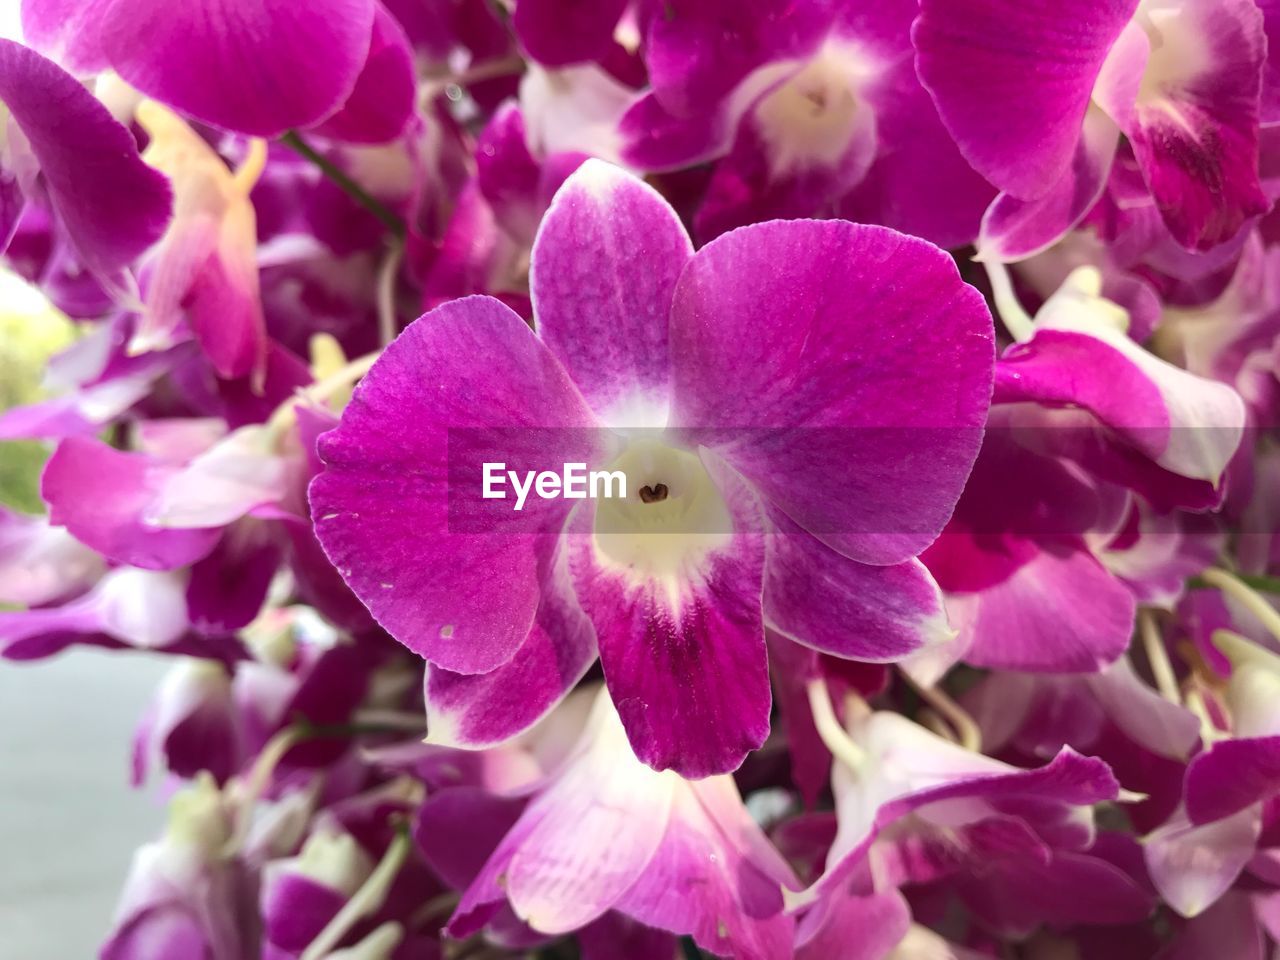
(1260,582)
(293,140)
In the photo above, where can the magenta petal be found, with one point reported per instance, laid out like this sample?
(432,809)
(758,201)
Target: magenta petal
(715,877)
(257,68)
(853,927)
(655,139)
(383,99)
(482,710)
(1232,775)
(688,672)
(697,51)
(1012,80)
(1013,228)
(847,411)
(67,31)
(101,496)
(1192,866)
(604,268)
(399,510)
(1071,889)
(818,598)
(1059,612)
(112,204)
(1195,135)
(557,33)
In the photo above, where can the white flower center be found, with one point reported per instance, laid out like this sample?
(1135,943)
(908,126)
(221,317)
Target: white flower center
(813,118)
(671,518)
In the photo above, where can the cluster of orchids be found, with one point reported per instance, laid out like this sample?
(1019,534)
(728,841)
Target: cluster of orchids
(937,343)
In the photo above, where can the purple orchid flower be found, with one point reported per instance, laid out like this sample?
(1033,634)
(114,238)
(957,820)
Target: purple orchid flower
(844,443)
(810,109)
(610,833)
(913,807)
(1037,98)
(183,898)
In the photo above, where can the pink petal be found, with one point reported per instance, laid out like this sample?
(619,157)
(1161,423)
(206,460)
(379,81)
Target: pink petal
(1012,80)
(399,510)
(112,205)
(844,412)
(683,654)
(259,69)
(603,318)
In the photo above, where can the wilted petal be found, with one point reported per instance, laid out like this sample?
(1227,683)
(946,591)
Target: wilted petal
(205,270)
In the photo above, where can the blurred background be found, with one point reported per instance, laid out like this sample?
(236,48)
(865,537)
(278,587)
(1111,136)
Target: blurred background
(69,821)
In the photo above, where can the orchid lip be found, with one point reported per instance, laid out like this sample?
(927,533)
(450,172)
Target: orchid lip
(672,517)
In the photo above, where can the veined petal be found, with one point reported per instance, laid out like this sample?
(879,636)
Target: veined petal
(259,69)
(101,495)
(1194,129)
(399,508)
(1057,611)
(592,835)
(112,205)
(823,600)
(716,877)
(1013,81)
(486,709)
(605,318)
(679,622)
(854,927)
(845,414)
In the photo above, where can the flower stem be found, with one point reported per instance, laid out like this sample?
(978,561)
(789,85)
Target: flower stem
(968,734)
(1234,587)
(387,322)
(367,900)
(833,735)
(1158,657)
(256,784)
(1016,319)
(293,140)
